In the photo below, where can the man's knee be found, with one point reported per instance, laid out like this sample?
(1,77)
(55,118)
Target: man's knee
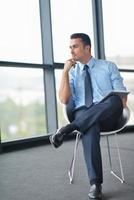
(115,101)
(92,134)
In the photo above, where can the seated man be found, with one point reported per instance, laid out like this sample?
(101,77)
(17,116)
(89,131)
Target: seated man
(85,82)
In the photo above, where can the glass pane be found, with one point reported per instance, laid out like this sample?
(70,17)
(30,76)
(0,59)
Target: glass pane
(119,32)
(69,17)
(20,37)
(129,82)
(22,109)
(60,108)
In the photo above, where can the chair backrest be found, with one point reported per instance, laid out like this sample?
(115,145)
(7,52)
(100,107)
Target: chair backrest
(68,110)
(121,123)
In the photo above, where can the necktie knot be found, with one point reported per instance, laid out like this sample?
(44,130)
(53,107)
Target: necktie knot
(86,67)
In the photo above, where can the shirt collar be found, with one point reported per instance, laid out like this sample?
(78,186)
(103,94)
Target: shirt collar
(90,63)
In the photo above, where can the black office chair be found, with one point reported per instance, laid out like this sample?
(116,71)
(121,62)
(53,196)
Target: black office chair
(120,125)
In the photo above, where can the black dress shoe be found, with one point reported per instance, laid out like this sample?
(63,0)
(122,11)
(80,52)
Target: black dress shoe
(95,191)
(57,139)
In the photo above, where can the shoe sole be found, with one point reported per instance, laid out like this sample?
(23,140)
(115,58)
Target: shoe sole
(52,142)
(98,197)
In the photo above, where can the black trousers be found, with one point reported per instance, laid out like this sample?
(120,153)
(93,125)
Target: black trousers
(91,121)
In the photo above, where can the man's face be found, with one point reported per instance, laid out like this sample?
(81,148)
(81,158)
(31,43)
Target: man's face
(79,51)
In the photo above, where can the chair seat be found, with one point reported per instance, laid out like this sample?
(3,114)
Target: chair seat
(121,123)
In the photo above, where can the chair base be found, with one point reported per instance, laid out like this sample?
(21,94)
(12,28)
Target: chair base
(72,166)
(71,169)
(117,177)
(121,179)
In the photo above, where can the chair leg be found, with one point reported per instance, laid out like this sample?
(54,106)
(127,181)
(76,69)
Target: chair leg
(71,169)
(121,179)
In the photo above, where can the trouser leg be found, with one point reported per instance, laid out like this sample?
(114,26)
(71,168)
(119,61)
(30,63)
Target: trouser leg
(98,113)
(89,122)
(92,154)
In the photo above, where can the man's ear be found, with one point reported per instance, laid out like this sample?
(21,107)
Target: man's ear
(88,48)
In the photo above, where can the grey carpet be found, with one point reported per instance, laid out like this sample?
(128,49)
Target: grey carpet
(41,173)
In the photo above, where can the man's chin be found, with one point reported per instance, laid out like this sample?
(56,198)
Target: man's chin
(75,59)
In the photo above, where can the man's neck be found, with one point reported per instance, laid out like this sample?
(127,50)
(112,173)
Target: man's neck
(86,60)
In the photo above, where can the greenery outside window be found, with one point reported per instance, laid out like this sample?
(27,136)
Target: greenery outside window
(22,108)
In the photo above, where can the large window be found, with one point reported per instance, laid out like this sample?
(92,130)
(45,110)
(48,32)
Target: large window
(119,32)
(22,109)
(69,17)
(119,43)
(20,37)
(22,102)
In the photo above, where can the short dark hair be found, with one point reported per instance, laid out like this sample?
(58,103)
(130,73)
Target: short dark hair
(84,37)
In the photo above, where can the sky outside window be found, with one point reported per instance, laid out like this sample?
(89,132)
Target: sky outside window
(69,17)
(20,37)
(119,31)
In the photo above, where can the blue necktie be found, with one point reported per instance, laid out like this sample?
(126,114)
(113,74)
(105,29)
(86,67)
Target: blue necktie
(88,88)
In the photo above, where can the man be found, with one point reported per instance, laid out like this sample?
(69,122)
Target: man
(95,115)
